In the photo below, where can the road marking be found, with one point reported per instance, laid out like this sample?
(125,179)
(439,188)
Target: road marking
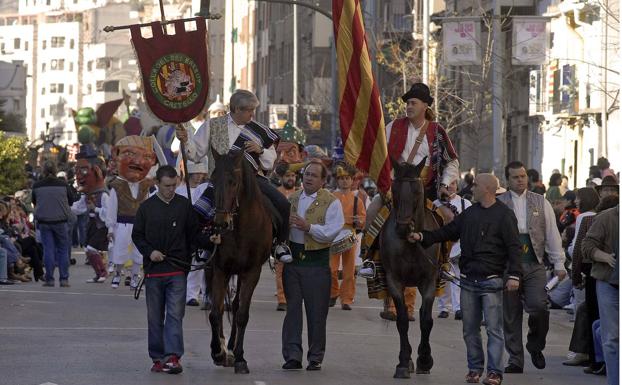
(202,330)
(132,295)
(260,383)
(48,383)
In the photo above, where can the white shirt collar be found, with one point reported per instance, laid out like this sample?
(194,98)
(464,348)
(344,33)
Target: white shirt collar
(231,121)
(312,196)
(515,195)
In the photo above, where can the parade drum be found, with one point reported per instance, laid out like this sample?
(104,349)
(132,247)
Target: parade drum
(345,240)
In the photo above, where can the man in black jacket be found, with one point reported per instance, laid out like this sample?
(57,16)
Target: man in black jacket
(164,230)
(52,198)
(489,242)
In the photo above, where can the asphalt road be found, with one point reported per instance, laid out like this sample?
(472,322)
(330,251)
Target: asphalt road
(93,334)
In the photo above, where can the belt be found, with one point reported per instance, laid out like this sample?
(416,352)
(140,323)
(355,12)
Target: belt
(125,219)
(160,275)
(479,278)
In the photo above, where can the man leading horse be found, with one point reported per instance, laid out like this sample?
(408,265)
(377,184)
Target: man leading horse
(237,131)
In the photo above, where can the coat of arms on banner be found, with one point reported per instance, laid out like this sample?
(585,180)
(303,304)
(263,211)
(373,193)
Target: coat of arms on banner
(174,70)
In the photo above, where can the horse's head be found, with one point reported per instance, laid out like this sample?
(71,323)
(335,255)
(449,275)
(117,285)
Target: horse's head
(227,179)
(408,197)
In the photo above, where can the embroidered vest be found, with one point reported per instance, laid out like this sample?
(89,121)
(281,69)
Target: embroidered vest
(127,206)
(536,224)
(315,214)
(219,140)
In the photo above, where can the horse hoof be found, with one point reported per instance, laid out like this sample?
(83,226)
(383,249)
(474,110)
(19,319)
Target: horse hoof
(240,368)
(424,364)
(229,361)
(401,373)
(411,366)
(219,361)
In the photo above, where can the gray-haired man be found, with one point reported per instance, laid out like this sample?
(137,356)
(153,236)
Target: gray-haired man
(237,131)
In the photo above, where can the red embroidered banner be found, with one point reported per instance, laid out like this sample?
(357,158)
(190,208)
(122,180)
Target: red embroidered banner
(174,70)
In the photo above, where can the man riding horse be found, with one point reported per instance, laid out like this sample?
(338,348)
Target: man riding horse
(412,139)
(237,131)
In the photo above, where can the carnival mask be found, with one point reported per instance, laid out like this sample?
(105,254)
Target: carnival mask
(89,176)
(134,162)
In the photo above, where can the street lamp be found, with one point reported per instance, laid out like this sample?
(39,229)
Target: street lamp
(295,3)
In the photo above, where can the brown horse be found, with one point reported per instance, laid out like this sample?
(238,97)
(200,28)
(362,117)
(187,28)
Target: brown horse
(409,264)
(246,239)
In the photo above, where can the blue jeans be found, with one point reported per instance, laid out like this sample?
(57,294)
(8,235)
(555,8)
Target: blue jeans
(598,342)
(3,265)
(166,306)
(474,301)
(608,307)
(55,240)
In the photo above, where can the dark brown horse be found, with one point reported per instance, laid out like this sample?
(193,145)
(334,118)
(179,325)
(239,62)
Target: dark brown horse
(409,264)
(246,239)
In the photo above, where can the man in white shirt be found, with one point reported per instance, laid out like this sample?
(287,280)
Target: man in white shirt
(538,234)
(457,205)
(316,219)
(197,175)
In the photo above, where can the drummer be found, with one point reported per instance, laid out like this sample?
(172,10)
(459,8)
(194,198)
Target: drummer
(354,217)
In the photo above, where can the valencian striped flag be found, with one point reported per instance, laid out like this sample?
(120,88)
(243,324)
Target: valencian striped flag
(360,110)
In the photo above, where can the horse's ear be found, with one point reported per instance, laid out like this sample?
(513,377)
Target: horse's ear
(419,167)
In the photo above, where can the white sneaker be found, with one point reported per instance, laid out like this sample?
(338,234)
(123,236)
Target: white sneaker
(134,281)
(115,281)
(283,253)
(367,272)
(101,279)
(110,267)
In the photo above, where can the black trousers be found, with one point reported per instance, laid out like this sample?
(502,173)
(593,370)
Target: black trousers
(308,286)
(280,203)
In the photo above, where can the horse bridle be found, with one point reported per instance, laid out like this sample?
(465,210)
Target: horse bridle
(410,221)
(230,213)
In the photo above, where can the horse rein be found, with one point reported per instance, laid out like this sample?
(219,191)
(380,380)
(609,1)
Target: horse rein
(450,277)
(179,263)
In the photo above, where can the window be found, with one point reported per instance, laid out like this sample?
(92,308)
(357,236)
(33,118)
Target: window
(43,44)
(57,64)
(103,63)
(43,112)
(42,67)
(16,107)
(58,41)
(57,88)
(48,2)
(16,43)
(43,91)
(89,89)
(99,85)
(71,89)
(89,65)
(1,47)
(71,66)
(111,86)
(72,44)
(26,45)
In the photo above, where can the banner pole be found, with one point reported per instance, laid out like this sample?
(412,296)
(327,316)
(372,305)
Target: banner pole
(184,158)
